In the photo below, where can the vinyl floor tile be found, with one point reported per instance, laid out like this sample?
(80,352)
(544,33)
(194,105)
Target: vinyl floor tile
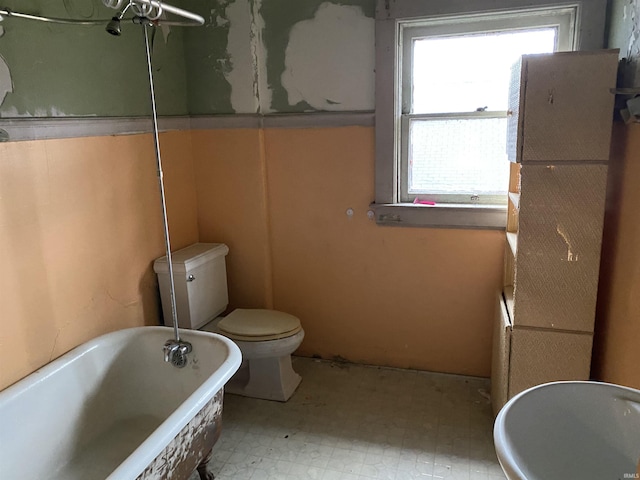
(354,422)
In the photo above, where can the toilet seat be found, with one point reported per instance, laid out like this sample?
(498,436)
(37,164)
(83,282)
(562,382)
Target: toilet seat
(257,325)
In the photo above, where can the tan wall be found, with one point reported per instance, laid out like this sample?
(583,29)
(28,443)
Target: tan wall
(406,297)
(80,224)
(617,338)
(232,209)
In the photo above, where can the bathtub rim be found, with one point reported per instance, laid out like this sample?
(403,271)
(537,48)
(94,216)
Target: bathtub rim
(153,445)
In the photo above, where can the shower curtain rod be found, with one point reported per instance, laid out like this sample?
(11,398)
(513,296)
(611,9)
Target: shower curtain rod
(193,20)
(7,12)
(159,6)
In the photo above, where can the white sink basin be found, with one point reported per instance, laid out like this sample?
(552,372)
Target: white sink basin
(565,430)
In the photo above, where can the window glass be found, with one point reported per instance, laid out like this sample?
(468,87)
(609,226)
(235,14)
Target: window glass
(458,156)
(454,158)
(467,72)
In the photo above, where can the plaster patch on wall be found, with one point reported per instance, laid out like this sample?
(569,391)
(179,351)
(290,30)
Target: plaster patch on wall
(219,20)
(6,84)
(13,112)
(241,75)
(218,15)
(632,69)
(259,53)
(631,14)
(330,60)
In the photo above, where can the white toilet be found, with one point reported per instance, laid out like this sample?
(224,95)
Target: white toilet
(266,338)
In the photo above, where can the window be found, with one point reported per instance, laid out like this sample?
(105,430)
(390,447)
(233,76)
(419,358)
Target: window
(453,119)
(441,136)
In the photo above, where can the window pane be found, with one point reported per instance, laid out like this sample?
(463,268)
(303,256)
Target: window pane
(467,72)
(458,156)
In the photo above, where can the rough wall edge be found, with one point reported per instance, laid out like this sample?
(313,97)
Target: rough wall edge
(50,128)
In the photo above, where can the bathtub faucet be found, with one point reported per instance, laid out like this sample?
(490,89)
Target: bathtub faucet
(175,352)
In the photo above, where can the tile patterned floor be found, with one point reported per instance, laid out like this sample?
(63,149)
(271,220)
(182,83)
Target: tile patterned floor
(349,422)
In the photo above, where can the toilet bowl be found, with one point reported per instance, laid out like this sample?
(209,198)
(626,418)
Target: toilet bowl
(266,338)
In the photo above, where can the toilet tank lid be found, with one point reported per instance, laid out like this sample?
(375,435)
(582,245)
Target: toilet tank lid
(188,258)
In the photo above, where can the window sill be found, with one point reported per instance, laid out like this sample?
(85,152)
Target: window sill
(489,217)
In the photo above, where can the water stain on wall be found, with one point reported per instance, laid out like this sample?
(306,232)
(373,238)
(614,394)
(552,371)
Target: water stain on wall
(329,61)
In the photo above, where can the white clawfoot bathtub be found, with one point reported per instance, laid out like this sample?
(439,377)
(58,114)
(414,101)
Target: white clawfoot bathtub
(113,409)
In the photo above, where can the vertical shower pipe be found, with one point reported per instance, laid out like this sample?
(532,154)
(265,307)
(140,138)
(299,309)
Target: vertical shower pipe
(156,142)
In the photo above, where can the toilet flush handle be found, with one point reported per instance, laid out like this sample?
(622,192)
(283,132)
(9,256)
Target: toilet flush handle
(191,278)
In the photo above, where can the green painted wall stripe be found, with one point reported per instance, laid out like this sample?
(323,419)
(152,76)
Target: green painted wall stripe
(206,58)
(82,70)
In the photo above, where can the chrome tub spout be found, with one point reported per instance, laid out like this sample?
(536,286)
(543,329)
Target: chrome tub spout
(175,352)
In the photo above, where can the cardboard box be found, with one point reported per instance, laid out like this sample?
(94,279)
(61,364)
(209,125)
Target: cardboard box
(559,239)
(558,116)
(525,357)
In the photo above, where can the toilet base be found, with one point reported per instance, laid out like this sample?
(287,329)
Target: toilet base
(267,378)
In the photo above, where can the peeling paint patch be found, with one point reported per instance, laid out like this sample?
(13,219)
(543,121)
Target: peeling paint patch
(241,75)
(330,60)
(191,445)
(221,21)
(13,112)
(247,74)
(625,35)
(207,60)
(218,19)
(259,54)
(165,29)
(631,14)
(6,84)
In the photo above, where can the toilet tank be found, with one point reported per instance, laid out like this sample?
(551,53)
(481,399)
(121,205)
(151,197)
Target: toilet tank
(200,280)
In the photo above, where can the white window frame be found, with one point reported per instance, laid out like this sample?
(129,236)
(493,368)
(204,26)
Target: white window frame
(561,18)
(399,20)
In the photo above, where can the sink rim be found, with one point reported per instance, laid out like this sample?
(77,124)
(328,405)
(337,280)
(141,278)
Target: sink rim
(502,442)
